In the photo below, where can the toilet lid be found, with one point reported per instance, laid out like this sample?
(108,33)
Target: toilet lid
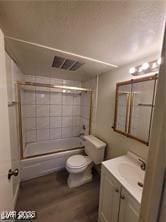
(77,161)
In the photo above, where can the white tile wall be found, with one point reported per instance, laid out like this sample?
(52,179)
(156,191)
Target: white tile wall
(67,99)
(76,100)
(67,132)
(44,80)
(29,123)
(76,110)
(85,122)
(67,121)
(29,110)
(42,122)
(50,114)
(55,133)
(76,131)
(55,110)
(42,98)
(71,83)
(42,110)
(55,81)
(67,110)
(42,134)
(55,98)
(85,106)
(30,136)
(28,97)
(76,121)
(55,122)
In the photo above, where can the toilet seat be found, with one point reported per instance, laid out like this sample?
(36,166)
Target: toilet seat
(78,161)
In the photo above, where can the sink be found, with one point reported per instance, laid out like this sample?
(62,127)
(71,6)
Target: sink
(131,173)
(126,169)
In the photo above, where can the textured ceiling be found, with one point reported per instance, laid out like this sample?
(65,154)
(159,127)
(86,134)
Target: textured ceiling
(116,32)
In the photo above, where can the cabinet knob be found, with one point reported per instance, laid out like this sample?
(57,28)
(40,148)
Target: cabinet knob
(122,197)
(117,190)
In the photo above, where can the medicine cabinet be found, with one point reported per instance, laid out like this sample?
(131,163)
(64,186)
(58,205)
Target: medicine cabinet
(134,104)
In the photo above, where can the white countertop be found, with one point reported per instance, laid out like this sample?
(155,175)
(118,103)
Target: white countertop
(126,169)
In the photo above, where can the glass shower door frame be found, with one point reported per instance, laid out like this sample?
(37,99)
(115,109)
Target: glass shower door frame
(19,84)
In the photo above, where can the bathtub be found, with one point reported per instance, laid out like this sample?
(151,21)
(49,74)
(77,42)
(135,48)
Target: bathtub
(38,163)
(39,148)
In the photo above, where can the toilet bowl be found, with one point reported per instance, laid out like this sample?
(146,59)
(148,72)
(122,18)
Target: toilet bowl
(80,166)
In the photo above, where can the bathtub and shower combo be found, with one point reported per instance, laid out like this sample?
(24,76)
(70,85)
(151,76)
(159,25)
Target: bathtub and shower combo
(51,120)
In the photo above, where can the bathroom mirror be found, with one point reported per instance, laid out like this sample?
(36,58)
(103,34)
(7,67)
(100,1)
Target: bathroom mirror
(122,107)
(134,105)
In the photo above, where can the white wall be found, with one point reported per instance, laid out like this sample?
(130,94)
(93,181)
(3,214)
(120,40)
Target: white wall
(117,143)
(13,74)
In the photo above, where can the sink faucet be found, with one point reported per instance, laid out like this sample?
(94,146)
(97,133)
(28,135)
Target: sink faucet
(143,164)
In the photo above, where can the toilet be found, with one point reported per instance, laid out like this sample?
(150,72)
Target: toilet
(80,166)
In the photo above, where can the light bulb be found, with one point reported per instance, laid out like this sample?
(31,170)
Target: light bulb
(145,66)
(132,70)
(154,65)
(140,69)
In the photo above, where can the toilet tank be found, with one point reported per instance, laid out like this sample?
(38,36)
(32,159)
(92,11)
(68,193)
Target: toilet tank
(94,148)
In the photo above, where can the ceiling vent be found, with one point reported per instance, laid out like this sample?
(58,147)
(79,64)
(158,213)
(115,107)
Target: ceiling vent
(66,64)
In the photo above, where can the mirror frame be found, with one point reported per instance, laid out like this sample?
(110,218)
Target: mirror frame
(129,107)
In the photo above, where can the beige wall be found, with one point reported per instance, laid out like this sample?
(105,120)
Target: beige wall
(117,143)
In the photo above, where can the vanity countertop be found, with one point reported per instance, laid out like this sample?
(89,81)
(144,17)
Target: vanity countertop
(126,169)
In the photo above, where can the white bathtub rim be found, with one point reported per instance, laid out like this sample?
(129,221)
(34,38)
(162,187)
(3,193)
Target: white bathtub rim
(47,155)
(59,145)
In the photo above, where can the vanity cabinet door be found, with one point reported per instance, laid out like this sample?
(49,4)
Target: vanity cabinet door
(129,208)
(109,199)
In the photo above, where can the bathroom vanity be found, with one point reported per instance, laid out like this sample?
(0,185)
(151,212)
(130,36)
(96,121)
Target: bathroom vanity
(121,189)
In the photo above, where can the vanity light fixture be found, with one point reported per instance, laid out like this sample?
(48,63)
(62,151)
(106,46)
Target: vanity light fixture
(146,68)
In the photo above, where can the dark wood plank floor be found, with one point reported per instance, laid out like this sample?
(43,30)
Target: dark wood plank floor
(53,201)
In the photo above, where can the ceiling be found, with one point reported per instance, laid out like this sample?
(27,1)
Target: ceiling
(113,32)
(34,60)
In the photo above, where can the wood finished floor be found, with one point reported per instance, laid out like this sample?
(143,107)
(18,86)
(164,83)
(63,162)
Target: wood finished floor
(53,201)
